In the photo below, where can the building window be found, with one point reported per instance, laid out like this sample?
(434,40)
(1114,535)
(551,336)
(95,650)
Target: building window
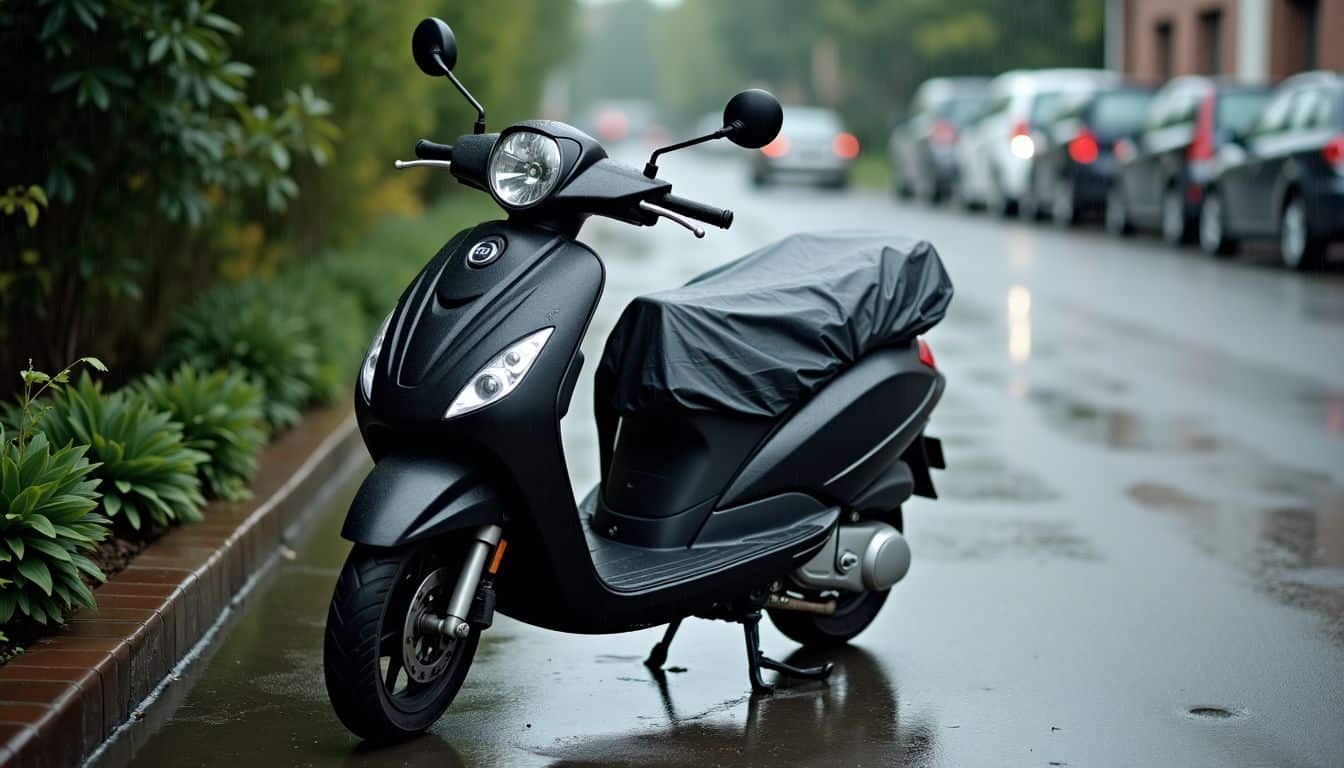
(1211,42)
(1165,54)
(1306,15)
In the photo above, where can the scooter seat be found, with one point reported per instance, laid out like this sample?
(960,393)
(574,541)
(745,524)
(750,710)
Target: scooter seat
(762,333)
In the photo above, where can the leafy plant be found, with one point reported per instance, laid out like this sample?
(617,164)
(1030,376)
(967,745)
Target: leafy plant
(47,523)
(221,416)
(244,328)
(25,416)
(147,470)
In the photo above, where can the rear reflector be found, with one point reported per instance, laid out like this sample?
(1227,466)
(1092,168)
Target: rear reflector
(1083,149)
(926,354)
(1333,152)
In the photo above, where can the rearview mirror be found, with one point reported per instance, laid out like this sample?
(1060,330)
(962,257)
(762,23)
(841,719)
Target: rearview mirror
(434,47)
(753,118)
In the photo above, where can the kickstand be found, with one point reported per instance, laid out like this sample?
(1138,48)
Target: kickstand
(756,661)
(658,656)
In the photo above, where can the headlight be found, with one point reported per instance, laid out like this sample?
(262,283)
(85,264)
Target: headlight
(1022,146)
(500,376)
(524,167)
(371,359)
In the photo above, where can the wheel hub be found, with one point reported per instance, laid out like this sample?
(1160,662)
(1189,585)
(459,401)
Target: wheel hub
(425,655)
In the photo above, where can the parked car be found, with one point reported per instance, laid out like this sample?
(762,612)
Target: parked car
(1071,173)
(1283,178)
(1160,177)
(993,157)
(922,148)
(812,145)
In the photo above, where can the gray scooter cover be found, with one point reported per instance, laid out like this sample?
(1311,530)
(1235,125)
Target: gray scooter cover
(763,332)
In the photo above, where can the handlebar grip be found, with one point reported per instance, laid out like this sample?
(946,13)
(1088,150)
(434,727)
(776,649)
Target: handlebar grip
(719,217)
(429,150)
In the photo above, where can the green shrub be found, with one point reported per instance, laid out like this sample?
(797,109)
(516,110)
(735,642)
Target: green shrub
(250,328)
(146,469)
(334,323)
(221,416)
(47,523)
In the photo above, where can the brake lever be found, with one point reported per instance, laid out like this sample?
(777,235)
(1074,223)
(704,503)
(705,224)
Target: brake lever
(658,210)
(402,164)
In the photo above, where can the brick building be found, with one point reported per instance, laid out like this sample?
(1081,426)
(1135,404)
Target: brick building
(1257,40)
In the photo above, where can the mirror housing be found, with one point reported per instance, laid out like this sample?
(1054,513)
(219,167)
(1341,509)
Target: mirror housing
(434,47)
(753,118)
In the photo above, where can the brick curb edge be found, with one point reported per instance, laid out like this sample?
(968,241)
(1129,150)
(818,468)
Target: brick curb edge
(71,691)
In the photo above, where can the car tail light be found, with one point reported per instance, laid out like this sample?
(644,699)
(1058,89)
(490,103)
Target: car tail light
(777,148)
(943,133)
(845,146)
(1021,143)
(1083,147)
(1333,152)
(1124,149)
(926,354)
(1201,148)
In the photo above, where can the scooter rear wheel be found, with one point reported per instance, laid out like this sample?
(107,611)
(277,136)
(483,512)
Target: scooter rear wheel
(854,611)
(376,693)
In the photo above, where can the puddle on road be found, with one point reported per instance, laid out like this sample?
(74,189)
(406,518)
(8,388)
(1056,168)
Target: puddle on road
(1120,428)
(1292,552)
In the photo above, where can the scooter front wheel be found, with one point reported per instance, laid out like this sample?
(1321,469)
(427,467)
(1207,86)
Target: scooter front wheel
(386,678)
(854,611)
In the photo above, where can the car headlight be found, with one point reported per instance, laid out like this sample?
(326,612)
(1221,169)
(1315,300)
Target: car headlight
(524,168)
(500,376)
(370,366)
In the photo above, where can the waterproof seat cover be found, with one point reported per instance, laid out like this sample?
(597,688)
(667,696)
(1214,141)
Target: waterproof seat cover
(762,333)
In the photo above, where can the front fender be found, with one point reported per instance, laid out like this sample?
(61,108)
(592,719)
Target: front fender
(409,498)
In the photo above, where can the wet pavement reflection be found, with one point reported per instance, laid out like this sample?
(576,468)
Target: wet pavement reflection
(1137,557)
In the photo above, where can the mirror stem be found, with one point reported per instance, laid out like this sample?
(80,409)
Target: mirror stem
(651,167)
(479,127)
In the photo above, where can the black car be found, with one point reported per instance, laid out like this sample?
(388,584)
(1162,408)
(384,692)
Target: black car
(1072,174)
(1284,178)
(923,146)
(1160,177)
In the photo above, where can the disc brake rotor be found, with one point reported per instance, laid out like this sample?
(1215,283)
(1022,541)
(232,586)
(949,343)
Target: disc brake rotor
(426,654)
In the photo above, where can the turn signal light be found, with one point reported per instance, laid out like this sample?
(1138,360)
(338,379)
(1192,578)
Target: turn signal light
(845,146)
(777,148)
(926,354)
(1083,148)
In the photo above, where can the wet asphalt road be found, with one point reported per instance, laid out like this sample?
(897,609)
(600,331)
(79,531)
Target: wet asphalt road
(1138,558)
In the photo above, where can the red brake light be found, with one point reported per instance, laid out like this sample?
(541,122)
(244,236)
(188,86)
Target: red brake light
(1333,152)
(1020,128)
(943,133)
(1124,149)
(777,148)
(926,354)
(1201,148)
(845,146)
(1083,147)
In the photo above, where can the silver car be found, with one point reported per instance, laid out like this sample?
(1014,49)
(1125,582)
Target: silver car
(813,145)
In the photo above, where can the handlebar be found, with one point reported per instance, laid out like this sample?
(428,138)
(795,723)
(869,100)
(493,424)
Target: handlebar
(430,150)
(719,217)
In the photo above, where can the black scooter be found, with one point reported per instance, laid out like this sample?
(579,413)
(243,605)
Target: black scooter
(759,430)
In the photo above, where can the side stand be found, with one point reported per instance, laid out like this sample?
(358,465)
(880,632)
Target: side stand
(658,656)
(756,661)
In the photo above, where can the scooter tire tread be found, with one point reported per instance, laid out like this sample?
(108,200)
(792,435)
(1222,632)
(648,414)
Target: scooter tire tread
(350,658)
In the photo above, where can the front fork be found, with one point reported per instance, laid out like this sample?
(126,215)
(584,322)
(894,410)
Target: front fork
(486,539)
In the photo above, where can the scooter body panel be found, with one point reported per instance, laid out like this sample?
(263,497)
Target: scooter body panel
(843,440)
(412,497)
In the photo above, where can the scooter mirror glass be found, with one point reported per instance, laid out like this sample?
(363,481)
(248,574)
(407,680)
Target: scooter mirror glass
(755,116)
(434,47)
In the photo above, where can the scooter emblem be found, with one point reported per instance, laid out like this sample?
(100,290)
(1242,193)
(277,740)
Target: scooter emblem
(485,253)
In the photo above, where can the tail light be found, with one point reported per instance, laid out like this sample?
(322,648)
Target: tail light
(1021,143)
(845,146)
(943,133)
(1083,147)
(926,354)
(1333,152)
(1124,149)
(1201,148)
(777,148)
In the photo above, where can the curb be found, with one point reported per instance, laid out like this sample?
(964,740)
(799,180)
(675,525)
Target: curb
(69,692)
